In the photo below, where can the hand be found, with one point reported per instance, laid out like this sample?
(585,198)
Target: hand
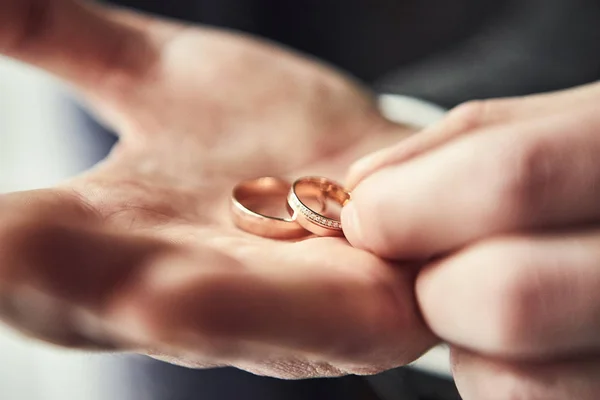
(139,254)
(504,195)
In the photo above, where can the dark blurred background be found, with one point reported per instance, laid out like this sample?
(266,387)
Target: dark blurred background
(444,51)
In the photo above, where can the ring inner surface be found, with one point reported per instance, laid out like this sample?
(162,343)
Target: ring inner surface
(265,197)
(334,196)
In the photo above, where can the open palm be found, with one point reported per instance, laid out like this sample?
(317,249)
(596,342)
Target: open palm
(139,254)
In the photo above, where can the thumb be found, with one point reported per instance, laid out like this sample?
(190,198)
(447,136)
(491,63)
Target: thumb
(85,44)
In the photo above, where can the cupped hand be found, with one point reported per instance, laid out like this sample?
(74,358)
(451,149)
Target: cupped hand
(502,198)
(139,254)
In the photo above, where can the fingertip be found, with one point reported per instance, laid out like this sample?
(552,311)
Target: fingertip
(368,220)
(352,227)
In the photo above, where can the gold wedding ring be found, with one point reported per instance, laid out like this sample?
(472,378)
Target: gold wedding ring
(309,219)
(303,197)
(244,200)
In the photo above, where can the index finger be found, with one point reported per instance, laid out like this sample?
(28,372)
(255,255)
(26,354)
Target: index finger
(540,173)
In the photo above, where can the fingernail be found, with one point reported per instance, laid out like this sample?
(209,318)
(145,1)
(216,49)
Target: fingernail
(351,225)
(361,168)
(365,162)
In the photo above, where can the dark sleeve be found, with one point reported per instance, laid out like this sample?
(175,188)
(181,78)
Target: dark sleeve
(534,46)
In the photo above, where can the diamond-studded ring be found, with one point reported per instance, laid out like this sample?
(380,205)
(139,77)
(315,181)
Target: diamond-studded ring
(309,219)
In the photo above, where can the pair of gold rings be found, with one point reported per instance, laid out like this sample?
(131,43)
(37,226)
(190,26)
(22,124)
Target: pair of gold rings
(307,206)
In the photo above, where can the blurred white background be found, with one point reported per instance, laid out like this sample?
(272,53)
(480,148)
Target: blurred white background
(36,150)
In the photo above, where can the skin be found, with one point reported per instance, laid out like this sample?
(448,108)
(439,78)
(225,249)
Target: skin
(503,198)
(139,254)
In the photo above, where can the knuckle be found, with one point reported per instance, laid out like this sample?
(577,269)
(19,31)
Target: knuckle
(513,312)
(526,175)
(471,115)
(512,300)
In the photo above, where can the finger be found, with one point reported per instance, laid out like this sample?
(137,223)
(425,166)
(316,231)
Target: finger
(537,174)
(60,272)
(470,117)
(483,378)
(83,43)
(293,300)
(66,279)
(526,297)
